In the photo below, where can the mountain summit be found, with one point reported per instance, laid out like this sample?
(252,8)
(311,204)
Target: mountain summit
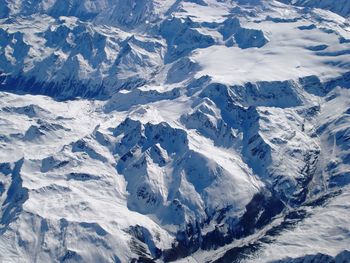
(174,130)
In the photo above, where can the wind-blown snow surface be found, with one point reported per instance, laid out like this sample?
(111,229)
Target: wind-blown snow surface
(204,131)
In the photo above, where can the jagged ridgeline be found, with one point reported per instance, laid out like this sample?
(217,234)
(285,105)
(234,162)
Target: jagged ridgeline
(174,131)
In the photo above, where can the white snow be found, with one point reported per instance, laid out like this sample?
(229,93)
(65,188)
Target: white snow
(126,126)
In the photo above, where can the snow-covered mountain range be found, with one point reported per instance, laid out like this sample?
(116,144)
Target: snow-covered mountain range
(341,7)
(174,130)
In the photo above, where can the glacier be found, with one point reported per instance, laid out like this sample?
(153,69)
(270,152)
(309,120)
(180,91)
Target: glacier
(174,131)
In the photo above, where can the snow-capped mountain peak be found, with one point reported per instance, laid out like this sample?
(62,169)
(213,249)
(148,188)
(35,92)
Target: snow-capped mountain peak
(174,130)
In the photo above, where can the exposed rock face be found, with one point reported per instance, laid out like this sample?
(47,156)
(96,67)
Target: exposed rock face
(164,130)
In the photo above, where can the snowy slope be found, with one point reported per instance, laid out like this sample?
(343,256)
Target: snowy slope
(341,7)
(156,131)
